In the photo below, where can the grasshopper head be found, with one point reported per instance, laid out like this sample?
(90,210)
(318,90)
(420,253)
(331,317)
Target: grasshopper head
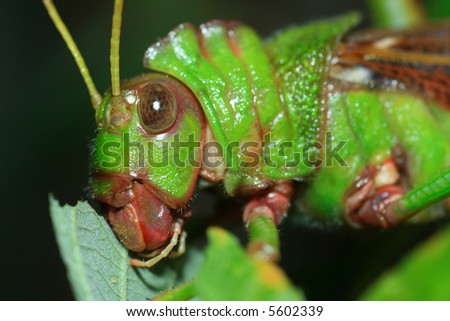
(141,169)
(146,158)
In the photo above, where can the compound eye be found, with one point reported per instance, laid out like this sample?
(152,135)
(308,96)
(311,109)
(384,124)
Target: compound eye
(157,108)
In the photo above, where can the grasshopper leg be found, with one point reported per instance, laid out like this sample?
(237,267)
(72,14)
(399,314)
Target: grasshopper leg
(261,215)
(423,196)
(177,231)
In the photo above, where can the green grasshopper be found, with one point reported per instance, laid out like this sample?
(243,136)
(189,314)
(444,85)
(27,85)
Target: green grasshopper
(353,126)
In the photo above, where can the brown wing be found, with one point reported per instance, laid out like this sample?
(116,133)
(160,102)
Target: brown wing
(417,59)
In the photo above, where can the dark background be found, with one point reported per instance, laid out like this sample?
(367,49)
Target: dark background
(47,123)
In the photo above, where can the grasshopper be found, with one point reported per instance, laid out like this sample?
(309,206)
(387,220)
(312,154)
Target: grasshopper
(358,120)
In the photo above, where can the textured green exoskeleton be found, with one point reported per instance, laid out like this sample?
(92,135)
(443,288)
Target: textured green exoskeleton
(360,121)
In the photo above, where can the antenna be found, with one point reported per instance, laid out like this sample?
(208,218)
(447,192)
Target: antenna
(119,115)
(115,45)
(96,98)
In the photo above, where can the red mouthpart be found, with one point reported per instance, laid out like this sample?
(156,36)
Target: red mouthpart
(140,220)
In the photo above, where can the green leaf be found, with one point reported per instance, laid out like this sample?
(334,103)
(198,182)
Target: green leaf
(422,275)
(437,9)
(98,268)
(97,263)
(228,273)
